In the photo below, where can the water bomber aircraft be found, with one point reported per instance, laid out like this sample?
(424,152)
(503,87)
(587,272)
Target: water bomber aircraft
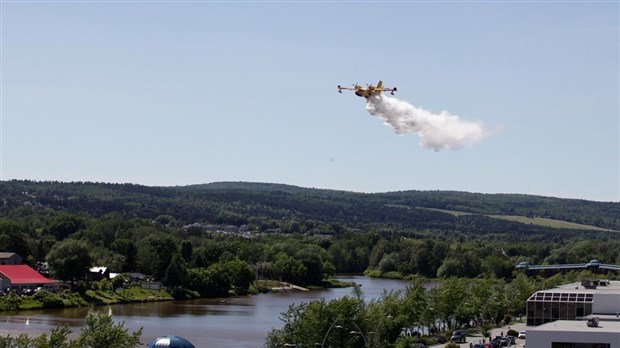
(367,91)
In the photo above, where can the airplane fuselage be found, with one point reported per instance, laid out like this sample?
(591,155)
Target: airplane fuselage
(367,92)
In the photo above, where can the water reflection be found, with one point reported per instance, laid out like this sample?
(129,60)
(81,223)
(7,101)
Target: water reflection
(208,323)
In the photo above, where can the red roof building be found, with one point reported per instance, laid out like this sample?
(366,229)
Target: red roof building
(21,277)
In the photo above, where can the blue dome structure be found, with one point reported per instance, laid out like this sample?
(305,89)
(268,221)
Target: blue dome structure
(170,342)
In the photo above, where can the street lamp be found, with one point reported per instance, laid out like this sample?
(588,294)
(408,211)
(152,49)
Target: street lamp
(330,329)
(361,334)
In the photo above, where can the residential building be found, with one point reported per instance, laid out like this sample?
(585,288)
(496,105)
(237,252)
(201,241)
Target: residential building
(98,273)
(8,258)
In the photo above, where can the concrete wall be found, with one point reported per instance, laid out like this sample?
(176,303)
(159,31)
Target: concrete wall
(606,303)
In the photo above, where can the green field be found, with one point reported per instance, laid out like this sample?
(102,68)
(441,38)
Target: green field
(530,221)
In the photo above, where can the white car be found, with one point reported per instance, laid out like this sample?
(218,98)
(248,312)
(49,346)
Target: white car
(522,334)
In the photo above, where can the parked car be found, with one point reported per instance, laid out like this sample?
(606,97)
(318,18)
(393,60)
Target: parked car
(522,334)
(458,336)
(496,342)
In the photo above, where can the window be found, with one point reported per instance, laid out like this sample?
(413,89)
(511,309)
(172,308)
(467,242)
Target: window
(543,307)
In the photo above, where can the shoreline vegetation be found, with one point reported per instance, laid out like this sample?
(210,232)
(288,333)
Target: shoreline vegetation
(44,299)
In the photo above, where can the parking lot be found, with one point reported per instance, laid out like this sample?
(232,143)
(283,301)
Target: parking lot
(520,343)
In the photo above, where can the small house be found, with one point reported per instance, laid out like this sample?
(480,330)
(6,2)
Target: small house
(98,273)
(8,258)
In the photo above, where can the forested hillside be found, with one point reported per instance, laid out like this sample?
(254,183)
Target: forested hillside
(274,204)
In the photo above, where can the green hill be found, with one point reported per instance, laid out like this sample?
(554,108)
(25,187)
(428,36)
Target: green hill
(237,203)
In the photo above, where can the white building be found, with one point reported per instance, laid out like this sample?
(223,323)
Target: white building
(574,302)
(577,315)
(574,334)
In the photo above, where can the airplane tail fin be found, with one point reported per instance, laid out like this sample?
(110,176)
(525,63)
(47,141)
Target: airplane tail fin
(380,85)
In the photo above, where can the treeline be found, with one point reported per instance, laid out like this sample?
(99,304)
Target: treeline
(214,263)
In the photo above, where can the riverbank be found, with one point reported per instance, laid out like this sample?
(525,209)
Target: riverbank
(44,299)
(50,300)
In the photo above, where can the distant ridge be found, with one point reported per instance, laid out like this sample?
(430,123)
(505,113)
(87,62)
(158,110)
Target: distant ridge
(425,210)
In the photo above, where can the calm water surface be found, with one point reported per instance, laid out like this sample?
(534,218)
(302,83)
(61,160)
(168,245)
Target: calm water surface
(207,323)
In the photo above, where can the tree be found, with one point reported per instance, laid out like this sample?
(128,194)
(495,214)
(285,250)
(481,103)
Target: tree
(289,269)
(102,332)
(128,250)
(498,266)
(452,294)
(219,280)
(176,273)
(12,238)
(155,254)
(198,280)
(415,301)
(69,259)
(242,275)
(313,261)
(57,339)
(186,250)
(64,225)
(518,291)
(320,323)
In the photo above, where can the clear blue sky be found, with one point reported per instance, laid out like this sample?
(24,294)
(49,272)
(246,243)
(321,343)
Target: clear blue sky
(176,93)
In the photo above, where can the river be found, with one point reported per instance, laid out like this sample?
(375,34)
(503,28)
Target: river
(207,323)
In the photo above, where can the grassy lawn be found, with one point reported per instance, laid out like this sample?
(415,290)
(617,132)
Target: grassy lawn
(128,295)
(531,221)
(549,222)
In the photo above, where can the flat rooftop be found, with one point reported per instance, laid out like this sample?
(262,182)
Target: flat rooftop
(613,286)
(577,326)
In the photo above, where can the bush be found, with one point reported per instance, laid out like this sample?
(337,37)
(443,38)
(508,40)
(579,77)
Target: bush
(486,330)
(452,345)
(392,275)
(48,299)
(512,333)
(41,294)
(10,302)
(53,301)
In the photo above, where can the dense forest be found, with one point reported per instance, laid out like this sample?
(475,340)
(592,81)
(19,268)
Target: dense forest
(215,239)
(242,203)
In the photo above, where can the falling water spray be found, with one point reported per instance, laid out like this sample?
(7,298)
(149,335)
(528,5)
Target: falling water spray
(436,131)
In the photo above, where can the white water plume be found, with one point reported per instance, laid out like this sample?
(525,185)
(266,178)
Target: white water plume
(436,131)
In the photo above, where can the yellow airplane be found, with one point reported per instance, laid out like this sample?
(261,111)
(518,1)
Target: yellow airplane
(369,91)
